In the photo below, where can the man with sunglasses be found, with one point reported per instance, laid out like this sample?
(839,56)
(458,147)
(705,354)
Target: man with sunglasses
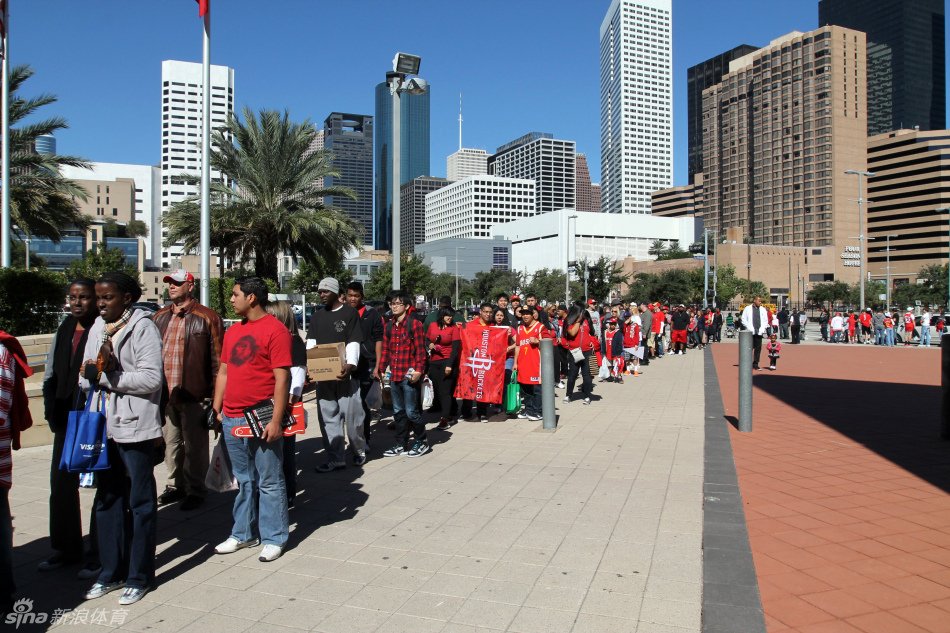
(191,349)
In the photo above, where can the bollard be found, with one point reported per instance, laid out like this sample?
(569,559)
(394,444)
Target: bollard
(745,381)
(945,384)
(548,380)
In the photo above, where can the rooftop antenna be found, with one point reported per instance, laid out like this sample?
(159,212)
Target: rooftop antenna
(460,121)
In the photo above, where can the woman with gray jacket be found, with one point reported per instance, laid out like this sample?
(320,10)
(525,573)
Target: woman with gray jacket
(123,358)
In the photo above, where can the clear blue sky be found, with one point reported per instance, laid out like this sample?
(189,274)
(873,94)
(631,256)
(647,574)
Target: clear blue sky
(522,65)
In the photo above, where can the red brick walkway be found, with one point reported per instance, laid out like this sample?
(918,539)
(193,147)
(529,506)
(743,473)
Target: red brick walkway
(845,484)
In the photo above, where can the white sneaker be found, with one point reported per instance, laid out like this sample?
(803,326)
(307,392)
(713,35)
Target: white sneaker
(270,553)
(232,545)
(561,385)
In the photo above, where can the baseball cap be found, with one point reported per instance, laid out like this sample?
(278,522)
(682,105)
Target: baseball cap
(592,302)
(331,284)
(180,276)
(515,298)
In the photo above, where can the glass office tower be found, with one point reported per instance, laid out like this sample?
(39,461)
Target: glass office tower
(349,137)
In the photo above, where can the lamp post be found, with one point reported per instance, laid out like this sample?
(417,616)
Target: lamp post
(705,268)
(567,261)
(867,174)
(403,66)
(457,275)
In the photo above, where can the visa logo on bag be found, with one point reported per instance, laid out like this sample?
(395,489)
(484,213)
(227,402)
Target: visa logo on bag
(91,447)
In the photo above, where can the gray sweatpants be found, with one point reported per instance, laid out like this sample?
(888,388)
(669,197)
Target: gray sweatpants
(340,404)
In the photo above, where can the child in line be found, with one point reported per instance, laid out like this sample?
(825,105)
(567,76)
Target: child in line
(773,349)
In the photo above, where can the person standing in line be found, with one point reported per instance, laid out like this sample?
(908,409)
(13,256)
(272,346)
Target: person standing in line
(877,321)
(501,301)
(783,319)
(339,400)
(908,326)
(802,322)
(528,362)
(925,328)
(14,419)
(837,327)
(646,316)
(852,324)
(283,312)
(866,321)
(255,367)
(633,340)
(501,321)
(123,359)
(577,336)
(796,327)
(371,348)
(531,301)
(444,344)
(717,325)
(191,348)
(514,310)
(755,319)
(823,320)
(561,355)
(679,324)
(404,352)
(483,319)
(60,392)
(888,329)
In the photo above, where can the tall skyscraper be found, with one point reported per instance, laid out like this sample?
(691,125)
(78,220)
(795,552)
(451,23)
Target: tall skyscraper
(349,137)
(45,144)
(548,161)
(781,129)
(469,208)
(181,135)
(412,210)
(413,149)
(907,84)
(636,103)
(588,194)
(466,162)
(698,78)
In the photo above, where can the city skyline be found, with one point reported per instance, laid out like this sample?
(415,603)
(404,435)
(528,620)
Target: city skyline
(559,93)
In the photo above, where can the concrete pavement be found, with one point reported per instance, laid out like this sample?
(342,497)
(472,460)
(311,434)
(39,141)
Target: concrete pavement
(502,527)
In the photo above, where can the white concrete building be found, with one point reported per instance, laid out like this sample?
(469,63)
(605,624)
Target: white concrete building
(544,241)
(636,103)
(549,162)
(181,134)
(147,196)
(466,162)
(470,207)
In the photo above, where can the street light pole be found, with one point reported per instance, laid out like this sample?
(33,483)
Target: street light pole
(867,174)
(705,268)
(567,262)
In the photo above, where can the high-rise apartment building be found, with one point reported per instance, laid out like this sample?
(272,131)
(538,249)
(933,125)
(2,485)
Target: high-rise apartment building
(548,161)
(181,136)
(907,85)
(349,138)
(636,103)
(698,78)
(413,150)
(686,200)
(588,193)
(466,162)
(469,208)
(779,132)
(906,199)
(412,210)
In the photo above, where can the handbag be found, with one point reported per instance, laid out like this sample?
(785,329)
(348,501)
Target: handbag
(577,354)
(85,446)
(512,401)
(428,393)
(219,477)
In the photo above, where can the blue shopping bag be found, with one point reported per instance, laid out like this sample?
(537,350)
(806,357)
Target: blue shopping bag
(85,445)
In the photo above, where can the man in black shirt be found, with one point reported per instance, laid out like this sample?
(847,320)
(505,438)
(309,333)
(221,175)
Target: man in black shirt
(339,400)
(371,325)
(679,322)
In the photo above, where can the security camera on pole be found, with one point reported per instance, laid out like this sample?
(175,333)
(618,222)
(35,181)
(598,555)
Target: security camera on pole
(403,66)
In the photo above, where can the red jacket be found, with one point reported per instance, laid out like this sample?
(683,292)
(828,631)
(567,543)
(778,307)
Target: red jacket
(20,418)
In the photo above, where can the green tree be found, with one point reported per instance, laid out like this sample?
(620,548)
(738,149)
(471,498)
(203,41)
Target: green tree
(220,290)
(548,284)
(830,293)
(308,276)
(415,277)
(674,251)
(136,228)
(657,248)
(277,204)
(31,302)
(98,261)
(487,285)
(930,289)
(748,290)
(603,276)
(42,202)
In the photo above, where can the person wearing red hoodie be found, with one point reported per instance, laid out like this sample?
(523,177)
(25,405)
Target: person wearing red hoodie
(14,419)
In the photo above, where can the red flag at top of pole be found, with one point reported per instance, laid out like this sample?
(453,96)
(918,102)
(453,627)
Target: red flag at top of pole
(203,6)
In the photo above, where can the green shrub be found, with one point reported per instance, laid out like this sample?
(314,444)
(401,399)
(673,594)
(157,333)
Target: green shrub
(31,302)
(220,291)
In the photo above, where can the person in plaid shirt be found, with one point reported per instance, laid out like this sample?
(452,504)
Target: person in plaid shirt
(404,351)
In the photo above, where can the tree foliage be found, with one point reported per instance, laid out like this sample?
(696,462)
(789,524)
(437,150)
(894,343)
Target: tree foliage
(98,261)
(686,286)
(415,277)
(308,276)
(487,285)
(603,276)
(277,204)
(31,302)
(548,285)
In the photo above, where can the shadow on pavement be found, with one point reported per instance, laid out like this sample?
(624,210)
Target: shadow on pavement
(900,422)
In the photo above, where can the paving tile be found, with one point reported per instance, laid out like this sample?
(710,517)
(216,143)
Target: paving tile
(347,619)
(534,620)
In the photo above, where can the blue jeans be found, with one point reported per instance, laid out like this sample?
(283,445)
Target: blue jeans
(879,335)
(889,337)
(127,544)
(260,508)
(925,336)
(406,411)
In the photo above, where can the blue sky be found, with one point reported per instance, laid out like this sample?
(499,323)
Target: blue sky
(522,65)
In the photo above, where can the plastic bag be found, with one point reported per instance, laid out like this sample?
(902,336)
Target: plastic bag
(512,401)
(219,477)
(604,372)
(374,397)
(85,447)
(428,393)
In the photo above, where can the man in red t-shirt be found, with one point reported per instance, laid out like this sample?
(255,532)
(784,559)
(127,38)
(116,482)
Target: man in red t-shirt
(255,367)
(908,326)
(528,361)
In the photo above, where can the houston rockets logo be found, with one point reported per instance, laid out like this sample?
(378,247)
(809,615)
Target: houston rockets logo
(479,361)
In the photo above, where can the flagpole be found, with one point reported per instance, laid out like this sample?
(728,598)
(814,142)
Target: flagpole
(5,226)
(206,163)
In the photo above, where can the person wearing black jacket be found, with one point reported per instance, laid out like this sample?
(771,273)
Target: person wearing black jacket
(60,392)
(679,322)
(371,348)
(444,344)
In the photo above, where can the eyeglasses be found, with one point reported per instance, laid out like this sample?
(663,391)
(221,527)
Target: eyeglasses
(396,303)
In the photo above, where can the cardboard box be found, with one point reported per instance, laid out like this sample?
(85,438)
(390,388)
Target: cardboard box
(325,362)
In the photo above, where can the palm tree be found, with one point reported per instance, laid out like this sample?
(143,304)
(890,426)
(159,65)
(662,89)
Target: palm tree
(277,202)
(42,202)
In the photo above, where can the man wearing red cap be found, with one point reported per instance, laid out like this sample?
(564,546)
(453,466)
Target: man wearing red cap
(191,348)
